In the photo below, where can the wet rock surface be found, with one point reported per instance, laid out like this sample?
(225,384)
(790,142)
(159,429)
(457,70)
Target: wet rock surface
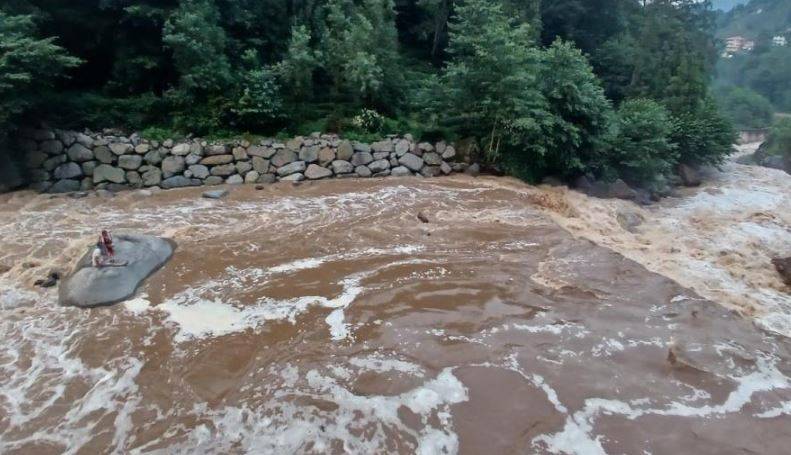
(89,286)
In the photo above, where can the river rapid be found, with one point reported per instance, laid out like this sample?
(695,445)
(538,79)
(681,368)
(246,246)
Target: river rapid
(326,318)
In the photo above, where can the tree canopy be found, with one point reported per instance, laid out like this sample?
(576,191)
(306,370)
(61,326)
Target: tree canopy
(557,87)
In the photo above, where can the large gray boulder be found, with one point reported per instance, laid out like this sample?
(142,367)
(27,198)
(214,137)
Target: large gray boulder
(79,153)
(107,173)
(292,168)
(179,181)
(316,172)
(172,165)
(88,286)
(283,157)
(411,162)
(65,186)
(68,171)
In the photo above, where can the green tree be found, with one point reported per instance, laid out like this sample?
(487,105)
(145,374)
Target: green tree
(703,135)
(488,88)
(579,132)
(778,142)
(297,68)
(358,46)
(29,65)
(642,152)
(259,102)
(744,107)
(198,44)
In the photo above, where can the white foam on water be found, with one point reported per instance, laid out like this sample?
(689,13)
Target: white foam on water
(783,409)
(12,297)
(356,423)
(301,264)
(383,364)
(577,437)
(137,305)
(338,328)
(196,316)
(39,370)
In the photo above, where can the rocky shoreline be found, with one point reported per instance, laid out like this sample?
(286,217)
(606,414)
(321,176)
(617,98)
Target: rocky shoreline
(61,161)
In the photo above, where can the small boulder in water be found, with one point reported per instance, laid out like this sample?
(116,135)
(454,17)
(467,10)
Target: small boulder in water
(51,280)
(689,176)
(215,194)
(89,286)
(629,220)
(473,170)
(620,190)
(783,266)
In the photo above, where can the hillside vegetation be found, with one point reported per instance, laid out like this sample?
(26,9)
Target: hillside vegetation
(756,19)
(748,83)
(610,88)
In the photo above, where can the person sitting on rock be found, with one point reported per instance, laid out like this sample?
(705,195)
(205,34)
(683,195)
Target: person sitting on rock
(99,257)
(107,241)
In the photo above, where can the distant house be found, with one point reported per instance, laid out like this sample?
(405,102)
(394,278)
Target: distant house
(779,41)
(736,44)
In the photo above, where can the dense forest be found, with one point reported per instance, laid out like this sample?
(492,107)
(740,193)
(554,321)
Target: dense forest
(611,88)
(751,86)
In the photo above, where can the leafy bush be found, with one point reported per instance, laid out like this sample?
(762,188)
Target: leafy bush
(779,140)
(642,151)
(157,133)
(744,107)
(28,66)
(95,110)
(578,134)
(259,102)
(369,120)
(703,135)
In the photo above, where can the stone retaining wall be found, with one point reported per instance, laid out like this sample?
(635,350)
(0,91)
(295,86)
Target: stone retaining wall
(64,161)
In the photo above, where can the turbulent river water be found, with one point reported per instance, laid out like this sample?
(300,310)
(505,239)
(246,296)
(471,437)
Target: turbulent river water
(325,318)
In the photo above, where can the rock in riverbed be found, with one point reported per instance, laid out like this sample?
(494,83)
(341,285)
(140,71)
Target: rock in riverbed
(88,286)
(783,266)
(215,194)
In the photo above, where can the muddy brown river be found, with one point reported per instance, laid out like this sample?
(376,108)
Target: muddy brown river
(326,318)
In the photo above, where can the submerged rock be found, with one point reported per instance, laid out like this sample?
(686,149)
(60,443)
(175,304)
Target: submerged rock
(689,176)
(215,194)
(50,281)
(783,266)
(89,286)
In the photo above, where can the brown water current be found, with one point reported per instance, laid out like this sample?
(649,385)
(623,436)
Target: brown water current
(326,318)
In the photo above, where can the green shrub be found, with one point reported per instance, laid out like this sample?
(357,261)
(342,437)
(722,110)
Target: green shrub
(95,110)
(157,133)
(779,140)
(642,151)
(703,135)
(258,103)
(578,135)
(744,107)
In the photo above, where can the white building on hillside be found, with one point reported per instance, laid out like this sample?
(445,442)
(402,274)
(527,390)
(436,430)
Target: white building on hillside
(779,41)
(736,44)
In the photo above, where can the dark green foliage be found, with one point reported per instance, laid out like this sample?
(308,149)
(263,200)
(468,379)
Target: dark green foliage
(259,102)
(744,107)
(703,135)
(28,66)
(577,136)
(779,140)
(642,150)
(533,81)
(488,89)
